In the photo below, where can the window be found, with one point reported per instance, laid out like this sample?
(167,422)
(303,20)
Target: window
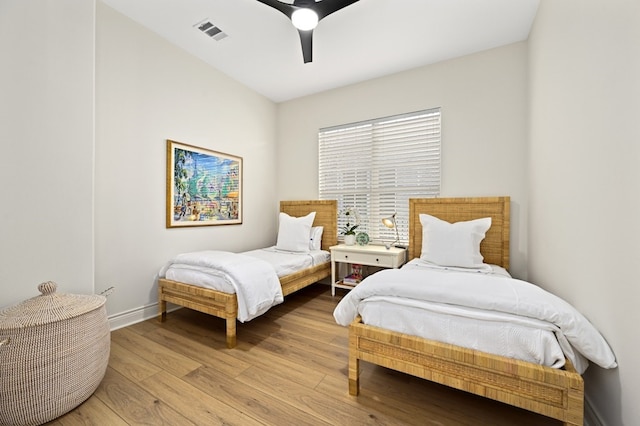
(375,166)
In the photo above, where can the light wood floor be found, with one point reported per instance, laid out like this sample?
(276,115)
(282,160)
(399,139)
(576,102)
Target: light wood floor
(289,368)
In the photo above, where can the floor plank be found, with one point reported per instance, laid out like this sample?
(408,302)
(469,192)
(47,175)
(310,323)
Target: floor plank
(203,408)
(135,405)
(93,412)
(262,406)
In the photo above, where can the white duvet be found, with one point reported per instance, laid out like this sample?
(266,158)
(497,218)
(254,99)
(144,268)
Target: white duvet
(254,280)
(483,296)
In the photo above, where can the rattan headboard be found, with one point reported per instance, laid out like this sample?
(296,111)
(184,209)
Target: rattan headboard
(494,247)
(326,215)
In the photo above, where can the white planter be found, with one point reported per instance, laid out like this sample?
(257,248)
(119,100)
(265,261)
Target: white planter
(349,240)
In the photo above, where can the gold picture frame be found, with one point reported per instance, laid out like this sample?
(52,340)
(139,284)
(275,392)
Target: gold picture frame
(204,187)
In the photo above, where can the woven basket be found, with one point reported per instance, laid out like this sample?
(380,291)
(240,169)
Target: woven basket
(54,351)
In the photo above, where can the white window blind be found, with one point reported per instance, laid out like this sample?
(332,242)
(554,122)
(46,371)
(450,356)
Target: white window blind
(376,166)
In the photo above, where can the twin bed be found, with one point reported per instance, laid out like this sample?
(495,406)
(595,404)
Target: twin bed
(503,308)
(480,331)
(223,302)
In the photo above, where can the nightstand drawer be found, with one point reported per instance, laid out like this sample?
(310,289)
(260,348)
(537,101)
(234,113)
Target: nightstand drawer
(369,255)
(373,259)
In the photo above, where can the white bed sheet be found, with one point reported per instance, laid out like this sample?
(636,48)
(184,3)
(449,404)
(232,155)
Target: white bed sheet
(283,262)
(507,335)
(286,262)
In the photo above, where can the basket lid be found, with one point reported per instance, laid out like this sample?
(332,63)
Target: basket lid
(48,307)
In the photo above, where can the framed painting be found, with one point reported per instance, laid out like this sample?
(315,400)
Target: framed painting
(204,187)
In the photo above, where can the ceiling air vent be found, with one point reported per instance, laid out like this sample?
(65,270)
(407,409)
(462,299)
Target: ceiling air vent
(211,30)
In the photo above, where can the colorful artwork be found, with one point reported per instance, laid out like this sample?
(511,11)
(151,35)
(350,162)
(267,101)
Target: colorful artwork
(203,187)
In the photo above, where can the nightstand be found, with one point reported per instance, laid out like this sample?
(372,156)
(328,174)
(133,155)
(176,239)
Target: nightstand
(370,255)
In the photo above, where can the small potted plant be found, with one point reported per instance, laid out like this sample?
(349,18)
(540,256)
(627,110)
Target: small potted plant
(349,229)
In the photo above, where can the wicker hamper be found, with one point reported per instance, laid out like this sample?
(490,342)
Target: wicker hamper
(54,351)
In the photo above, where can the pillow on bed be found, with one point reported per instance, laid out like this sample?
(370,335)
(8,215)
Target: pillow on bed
(453,244)
(294,232)
(315,240)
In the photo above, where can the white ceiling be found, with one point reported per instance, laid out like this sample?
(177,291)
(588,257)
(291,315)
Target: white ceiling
(368,39)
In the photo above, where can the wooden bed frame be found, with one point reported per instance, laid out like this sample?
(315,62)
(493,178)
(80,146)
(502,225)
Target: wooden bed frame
(556,393)
(225,305)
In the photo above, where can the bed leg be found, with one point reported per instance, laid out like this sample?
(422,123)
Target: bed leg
(231,333)
(574,413)
(354,380)
(354,365)
(162,309)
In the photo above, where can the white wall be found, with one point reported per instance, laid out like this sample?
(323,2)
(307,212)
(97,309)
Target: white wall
(147,91)
(584,199)
(46,121)
(484,132)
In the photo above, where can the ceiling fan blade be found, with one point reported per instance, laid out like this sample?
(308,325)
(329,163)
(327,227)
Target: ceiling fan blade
(306,38)
(287,9)
(327,7)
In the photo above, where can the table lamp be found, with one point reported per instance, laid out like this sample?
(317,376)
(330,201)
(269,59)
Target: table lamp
(390,222)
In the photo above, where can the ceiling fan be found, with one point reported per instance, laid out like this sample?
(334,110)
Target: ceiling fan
(305,15)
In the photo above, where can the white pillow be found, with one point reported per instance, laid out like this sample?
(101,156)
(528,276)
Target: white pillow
(453,244)
(315,240)
(294,232)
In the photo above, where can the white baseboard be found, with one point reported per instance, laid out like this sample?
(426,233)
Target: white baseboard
(591,416)
(136,315)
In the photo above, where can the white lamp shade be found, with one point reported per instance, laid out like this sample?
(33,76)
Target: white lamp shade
(389,222)
(304,19)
